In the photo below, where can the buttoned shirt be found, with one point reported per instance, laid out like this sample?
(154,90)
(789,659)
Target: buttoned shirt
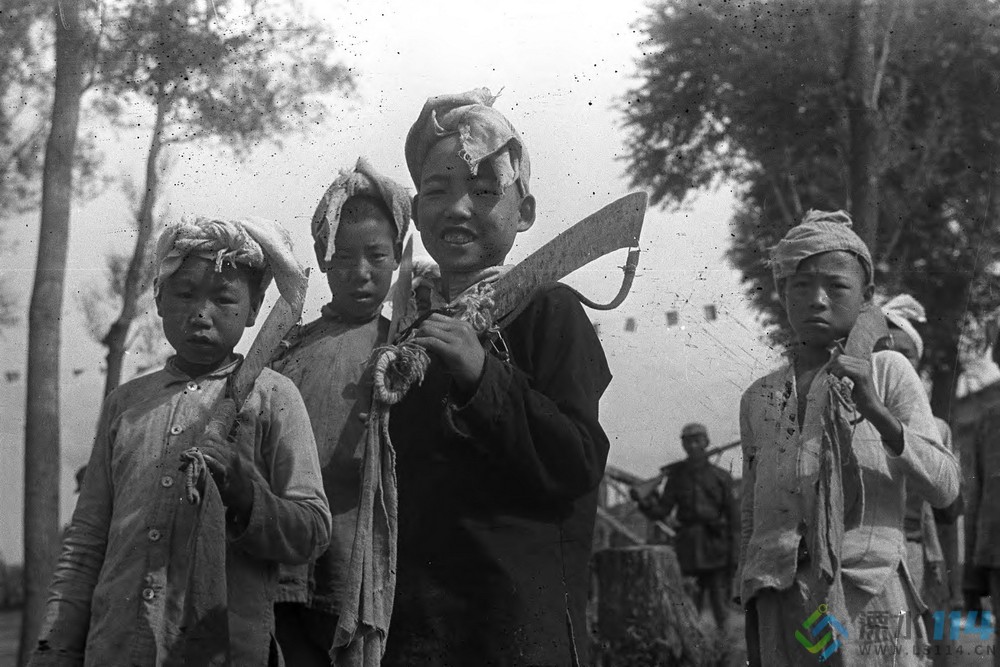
(781,468)
(328,363)
(117,596)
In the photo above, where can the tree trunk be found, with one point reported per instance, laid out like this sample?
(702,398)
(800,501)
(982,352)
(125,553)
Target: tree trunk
(865,139)
(644,617)
(41,445)
(136,276)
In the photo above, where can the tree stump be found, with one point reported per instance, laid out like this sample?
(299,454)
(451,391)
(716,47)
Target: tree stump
(644,616)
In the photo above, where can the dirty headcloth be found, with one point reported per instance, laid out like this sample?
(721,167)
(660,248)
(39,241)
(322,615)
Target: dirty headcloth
(251,242)
(483,134)
(819,231)
(361,181)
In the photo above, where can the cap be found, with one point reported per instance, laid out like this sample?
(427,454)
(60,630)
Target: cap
(693,429)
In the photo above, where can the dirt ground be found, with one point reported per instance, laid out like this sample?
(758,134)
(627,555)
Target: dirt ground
(972,653)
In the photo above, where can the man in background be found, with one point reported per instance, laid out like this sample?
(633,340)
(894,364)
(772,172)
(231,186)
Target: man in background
(707,518)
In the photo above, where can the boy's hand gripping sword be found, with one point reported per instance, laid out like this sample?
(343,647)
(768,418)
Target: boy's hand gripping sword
(399,365)
(613,227)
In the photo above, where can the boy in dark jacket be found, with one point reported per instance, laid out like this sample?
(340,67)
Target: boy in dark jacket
(499,450)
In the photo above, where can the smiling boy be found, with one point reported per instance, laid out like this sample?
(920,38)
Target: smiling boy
(831,443)
(128,589)
(358,229)
(499,451)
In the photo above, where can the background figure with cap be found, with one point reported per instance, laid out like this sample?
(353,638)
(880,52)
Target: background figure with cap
(925,552)
(702,494)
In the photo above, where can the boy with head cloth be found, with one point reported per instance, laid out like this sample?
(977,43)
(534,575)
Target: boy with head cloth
(925,555)
(831,444)
(499,450)
(146,577)
(337,608)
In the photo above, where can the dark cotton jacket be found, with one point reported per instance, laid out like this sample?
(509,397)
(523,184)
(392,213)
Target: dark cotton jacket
(497,499)
(706,511)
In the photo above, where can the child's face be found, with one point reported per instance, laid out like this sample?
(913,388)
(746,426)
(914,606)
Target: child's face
(205,312)
(899,341)
(360,272)
(824,297)
(466,223)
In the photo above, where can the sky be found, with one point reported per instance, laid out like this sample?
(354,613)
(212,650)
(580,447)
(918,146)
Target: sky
(563,68)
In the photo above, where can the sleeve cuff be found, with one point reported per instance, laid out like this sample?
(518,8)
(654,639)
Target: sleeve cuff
(485,405)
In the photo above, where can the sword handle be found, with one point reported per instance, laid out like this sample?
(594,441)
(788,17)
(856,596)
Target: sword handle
(223,421)
(630,265)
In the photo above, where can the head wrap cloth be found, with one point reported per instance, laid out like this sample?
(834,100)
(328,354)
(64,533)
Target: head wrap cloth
(252,242)
(900,311)
(819,231)
(363,180)
(483,134)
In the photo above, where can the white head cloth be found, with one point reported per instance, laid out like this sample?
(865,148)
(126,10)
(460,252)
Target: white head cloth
(253,242)
(903,309)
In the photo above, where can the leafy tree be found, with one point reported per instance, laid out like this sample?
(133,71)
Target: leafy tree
(26,86)
(26,54)
(41,457)
(766,94)
(8,302)
(225,73)
(22,134)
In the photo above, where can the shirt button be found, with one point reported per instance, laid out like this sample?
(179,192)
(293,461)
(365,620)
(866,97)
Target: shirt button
(154,535)
(176,430)
(148,594)
(192,386)
(166,481)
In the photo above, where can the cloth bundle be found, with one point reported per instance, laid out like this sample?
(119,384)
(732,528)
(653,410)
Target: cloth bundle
(205,640)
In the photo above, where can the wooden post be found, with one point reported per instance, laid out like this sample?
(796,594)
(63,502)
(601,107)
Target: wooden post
(644,617)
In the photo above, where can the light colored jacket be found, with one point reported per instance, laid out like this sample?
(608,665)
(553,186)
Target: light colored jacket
(117,595)
(781,464)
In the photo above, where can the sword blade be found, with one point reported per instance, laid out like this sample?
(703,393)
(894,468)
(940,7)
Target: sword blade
(613,227)
(279,322)
(401,294)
